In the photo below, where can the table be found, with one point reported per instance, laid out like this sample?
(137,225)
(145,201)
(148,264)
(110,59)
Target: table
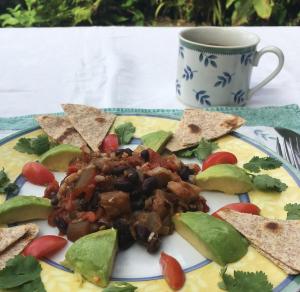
(118,67)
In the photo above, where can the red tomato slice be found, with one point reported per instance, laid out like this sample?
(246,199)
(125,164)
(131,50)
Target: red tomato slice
(110,143)
(172,271)
(221,157)
(239,207)
(44,246)
(37,173)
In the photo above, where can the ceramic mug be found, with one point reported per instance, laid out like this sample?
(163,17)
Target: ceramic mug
(215,65)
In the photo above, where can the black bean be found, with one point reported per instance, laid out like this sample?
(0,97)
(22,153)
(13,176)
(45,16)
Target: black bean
(184,173)
(94,227)
(83,205)
(153,243)
(61,224)
(119,170)
(120,152)
(145,154)
(142,233)
(128,151)
(123,184)
(133,176)
(94,202)
(149,185)
(138,204)
(136,195)
(54,201)
(125,238)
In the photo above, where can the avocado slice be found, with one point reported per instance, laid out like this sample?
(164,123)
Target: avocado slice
(227,178)
(213,238)
(93,256)
(156,140)
(59,157)
(24,208)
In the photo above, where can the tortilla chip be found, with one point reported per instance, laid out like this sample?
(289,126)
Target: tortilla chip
(16,247)
(277,239)
(197,124)
(8,236)
(60,130)
(91,123)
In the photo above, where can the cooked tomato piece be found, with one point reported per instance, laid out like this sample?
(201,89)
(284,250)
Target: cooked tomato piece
(37,173)
(44,246)
(172,271)
(72,168)
(221,157)
(110,143)
(239,207)
(51,189)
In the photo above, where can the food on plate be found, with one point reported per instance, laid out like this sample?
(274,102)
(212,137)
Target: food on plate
(44,246)
(14,239)
(239,207)
(197,123)
(293,211)
(278,240)
(136,192)
(220,157)
(119,287)
(257,163)
(24,208)
(156,140)
(110,143)
(125,132)
(60,130)
(59,157)
(93,256)
(37,173)
(172,271)
(215,239)
(227,178)
(91,123)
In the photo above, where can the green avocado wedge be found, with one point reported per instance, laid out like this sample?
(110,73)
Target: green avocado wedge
(59,157)
(24,208)
(213,238)
(156,140)
(93,256)
(227,178)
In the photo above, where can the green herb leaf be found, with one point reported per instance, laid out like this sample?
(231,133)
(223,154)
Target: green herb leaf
(246,282)
(11,189)
(186,153)
(38,145)
(18,271)
(267,183)
(258,163)
(120,287)
(293,211)
(33,286)
(4,180)
(204,149)
(125,132)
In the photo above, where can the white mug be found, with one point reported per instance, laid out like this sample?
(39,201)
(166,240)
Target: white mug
(215,66)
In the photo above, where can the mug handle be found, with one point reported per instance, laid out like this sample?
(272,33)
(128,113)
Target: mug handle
(256,59)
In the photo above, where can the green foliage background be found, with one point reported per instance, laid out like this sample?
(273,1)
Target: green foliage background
(26,13)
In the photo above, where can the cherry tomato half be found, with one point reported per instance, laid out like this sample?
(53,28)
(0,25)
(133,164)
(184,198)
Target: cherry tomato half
(239,207)
(110,143)
(37,173)
(172,271)
(221,157)
(44,246)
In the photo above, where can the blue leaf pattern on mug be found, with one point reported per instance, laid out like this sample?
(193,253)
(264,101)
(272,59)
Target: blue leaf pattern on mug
(202,97)
(178,87)
(238,97)
(246,58)
(181,52)
(208,60)
(188,73)
(224,80)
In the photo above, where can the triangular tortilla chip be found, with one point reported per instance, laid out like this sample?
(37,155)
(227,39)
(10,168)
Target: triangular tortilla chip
(16,247)
(60,130)
(90,122)
(8,236)
(197,124)
(279,240)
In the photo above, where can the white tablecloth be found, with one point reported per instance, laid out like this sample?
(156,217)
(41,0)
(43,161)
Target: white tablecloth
(119,67)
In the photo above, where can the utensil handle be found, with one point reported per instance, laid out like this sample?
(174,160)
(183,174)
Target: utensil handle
(256,59)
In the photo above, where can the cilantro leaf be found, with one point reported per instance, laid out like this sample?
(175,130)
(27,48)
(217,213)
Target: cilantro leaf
(4,180)
(258,163)
(11,189)
(120,287)
(267,183)
(293,211)
(125,132)
(34,286)
(18,271)
(246,282)
(38,145)
(202,151)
